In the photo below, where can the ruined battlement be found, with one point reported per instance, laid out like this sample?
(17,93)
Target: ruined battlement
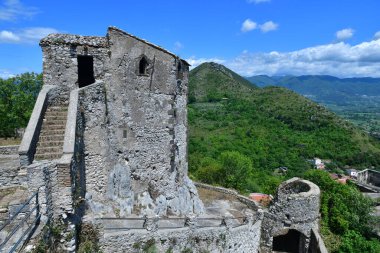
(74,40)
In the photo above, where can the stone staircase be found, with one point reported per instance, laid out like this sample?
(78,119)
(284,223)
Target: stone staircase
(50,143)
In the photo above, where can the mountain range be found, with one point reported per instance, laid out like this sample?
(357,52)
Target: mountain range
(356,99)
(322,87)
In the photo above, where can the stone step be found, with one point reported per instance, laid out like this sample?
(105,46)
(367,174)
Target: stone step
(53,127)
(47,143)
(47,156)
(52,136)
(55,117)
(54,122)
(52,131)
(53,149)
(50,143)
(57,109)
(55,113)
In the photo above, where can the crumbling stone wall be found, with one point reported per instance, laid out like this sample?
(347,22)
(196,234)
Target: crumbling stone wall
(295,207)
(11,174)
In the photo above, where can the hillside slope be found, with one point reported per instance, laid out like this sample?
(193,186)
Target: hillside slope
(356,99)
(272,127)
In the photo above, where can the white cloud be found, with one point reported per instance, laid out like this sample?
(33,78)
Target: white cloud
(377,35)
(248,25)
(28,35)
(268,26)
(344,34)
(4,74)
(178,46)
(194,62)
(36,33)
(338,59)
(258,1)
(8,37)
(14,9)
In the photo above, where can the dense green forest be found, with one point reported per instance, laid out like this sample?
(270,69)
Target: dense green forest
(239,137)
(17,97)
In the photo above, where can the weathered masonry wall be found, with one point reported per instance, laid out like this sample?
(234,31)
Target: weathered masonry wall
(60,62)
(242,239)
(11,174)
(147,128)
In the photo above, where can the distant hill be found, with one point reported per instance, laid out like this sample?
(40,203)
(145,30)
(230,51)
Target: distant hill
(324,88)
(356,99)
(273,127)
(213,82)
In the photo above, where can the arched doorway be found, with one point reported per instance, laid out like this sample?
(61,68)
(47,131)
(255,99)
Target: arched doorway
(289,242)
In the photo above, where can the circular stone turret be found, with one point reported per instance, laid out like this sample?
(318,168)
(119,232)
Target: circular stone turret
(296,200)
(291,216)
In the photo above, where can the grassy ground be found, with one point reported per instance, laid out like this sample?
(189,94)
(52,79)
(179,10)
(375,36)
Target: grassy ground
(9,141)
(17,194)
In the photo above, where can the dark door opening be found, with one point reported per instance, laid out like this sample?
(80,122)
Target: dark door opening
(85,70)
(289,242)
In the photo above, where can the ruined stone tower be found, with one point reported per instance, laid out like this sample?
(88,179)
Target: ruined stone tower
(294,213)
(128,114)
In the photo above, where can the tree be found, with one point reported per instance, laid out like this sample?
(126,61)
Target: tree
(236,170)
(17,97)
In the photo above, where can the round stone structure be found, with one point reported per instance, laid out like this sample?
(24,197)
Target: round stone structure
(291,216)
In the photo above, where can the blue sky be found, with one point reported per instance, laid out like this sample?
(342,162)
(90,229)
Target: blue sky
(274,37)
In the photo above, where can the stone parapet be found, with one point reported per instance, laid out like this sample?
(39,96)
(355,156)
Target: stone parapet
(29,141)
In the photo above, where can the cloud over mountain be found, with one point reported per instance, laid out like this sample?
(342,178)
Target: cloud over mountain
(337,59)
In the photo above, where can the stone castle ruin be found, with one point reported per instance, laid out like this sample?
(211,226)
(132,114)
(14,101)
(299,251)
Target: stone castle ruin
(129,119)
(106,148)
